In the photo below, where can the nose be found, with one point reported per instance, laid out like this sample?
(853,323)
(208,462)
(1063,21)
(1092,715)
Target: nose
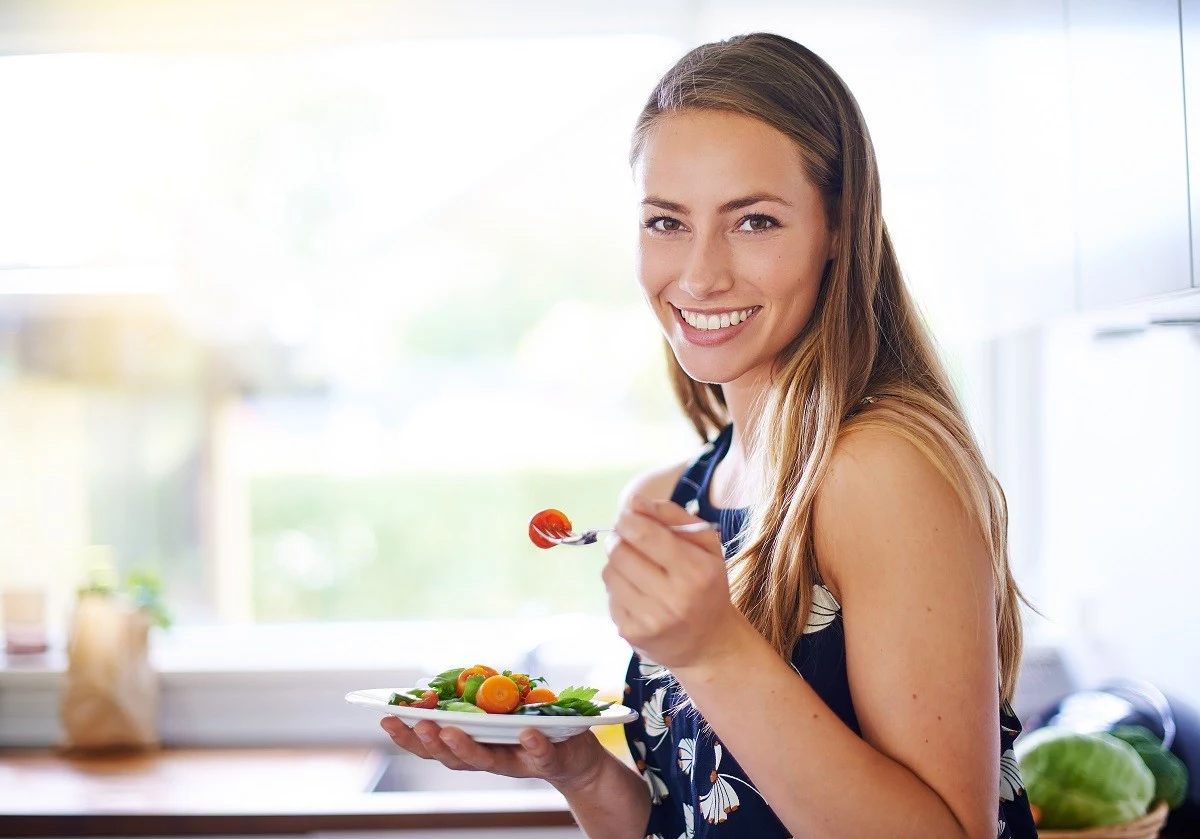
(707,270)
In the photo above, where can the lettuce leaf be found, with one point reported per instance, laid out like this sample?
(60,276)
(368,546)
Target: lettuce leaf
(446,683)
(572,706)
(471,687)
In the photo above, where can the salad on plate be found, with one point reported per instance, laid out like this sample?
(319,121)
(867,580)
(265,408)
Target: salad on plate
(493,706)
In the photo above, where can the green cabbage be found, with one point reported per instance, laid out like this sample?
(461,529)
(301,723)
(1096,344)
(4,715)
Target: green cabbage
(1170,773)
(1083,780)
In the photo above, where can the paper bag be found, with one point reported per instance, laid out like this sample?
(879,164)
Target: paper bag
(110,693)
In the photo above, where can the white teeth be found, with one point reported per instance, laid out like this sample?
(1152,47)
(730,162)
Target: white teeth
(706,322)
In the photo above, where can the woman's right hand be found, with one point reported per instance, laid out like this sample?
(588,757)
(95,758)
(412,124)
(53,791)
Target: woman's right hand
(568,765)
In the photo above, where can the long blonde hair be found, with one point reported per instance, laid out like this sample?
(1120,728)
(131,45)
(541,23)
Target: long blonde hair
(864,339)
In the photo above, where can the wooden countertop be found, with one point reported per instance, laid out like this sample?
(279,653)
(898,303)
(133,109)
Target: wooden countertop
(211,791)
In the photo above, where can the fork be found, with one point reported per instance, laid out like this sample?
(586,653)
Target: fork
(589,537)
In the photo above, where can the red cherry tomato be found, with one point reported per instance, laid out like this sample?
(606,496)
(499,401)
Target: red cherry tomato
(552,523)
(429,700)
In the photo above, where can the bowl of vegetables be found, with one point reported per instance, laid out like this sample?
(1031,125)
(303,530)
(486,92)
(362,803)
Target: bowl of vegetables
(1118,784)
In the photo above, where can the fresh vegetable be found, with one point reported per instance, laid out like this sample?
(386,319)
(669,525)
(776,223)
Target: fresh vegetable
(540,694)
(483,690)
(550,522)
(446,683)
(463,706)
(1170,773)
(427,699)
(477,670)
(572,701)
(471,687)
(498,695)
(1083,780)
(523,683)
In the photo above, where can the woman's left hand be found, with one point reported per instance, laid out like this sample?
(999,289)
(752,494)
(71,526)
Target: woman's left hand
(668,592)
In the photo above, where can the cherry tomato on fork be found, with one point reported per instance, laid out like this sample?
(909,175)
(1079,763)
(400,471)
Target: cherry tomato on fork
(551,522)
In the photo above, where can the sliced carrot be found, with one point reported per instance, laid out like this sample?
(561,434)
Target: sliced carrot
(498,695)
(477,670)
(540,695)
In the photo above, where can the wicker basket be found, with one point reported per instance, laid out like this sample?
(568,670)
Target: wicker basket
(1147,827)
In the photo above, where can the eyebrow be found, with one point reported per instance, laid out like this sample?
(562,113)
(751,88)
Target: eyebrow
(727,207)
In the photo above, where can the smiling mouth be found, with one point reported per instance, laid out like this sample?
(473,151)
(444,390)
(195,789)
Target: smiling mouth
(716,320)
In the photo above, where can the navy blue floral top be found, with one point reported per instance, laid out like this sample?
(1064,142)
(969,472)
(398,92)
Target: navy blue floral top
(696,787)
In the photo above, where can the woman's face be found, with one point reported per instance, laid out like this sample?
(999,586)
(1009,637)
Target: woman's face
(733,241)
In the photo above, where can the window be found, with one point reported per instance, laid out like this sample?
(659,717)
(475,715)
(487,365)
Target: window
(313,332)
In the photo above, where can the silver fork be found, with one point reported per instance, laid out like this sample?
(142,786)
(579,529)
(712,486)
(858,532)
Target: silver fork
(589,537)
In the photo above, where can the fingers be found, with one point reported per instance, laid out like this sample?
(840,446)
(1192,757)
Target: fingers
(634,569)
(536,756)
(540,753)
(666,512)
(627,604)
(646,523)
(424,740)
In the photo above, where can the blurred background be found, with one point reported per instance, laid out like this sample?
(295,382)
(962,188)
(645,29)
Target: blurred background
(307,307)
(313,332)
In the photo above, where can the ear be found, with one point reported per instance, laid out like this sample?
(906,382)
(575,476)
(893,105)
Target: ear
(834,238)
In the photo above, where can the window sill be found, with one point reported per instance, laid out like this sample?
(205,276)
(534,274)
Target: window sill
(269,685)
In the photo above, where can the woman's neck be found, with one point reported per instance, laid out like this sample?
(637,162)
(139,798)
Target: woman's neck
(743,400)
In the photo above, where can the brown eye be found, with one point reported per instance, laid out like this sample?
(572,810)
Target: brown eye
(664,224)
(758,223)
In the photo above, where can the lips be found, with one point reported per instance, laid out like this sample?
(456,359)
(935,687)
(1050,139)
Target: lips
(712,327)
(716,320)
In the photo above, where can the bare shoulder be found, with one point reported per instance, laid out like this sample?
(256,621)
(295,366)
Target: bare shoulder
(657,483)
(881,491)
(874,460)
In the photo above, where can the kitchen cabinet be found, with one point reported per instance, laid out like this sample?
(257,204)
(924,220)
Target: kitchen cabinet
(1130,150)
(1190,26)
(1033,152)
(967,105)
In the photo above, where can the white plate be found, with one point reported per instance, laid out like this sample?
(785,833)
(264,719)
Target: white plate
(489,728)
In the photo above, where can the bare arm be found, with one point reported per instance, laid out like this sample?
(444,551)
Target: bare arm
(915,584)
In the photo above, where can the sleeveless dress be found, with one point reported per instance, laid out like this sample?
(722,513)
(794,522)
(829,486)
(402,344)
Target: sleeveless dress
(697,789)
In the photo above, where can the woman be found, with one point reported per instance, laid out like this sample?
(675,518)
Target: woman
(847,648)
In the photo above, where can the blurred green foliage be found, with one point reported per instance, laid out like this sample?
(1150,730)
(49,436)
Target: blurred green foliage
(385,548)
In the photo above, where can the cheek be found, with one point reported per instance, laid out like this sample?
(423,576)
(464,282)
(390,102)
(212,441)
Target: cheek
(653,270)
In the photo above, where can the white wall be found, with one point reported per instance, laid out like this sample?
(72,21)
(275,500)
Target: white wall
(1119,500)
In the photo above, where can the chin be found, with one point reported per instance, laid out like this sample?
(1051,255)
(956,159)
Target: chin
(709,373)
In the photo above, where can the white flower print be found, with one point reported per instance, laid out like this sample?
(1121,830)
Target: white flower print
(693,506)
(1010,776)
(1000,825)
(687,755)
(824,610)
(651,669)
(658,789)
(652,714)
(722,799)
(689,822)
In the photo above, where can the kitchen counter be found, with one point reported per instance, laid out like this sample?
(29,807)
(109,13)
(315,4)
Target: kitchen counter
(245,791)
